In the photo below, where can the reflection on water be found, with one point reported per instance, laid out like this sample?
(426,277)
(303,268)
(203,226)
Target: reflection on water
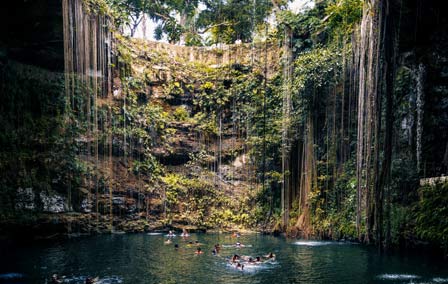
(143,258)
(82,280)
(397,276)
(321,243)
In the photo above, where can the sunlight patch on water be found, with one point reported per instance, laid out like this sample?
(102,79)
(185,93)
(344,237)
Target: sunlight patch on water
(236,246)
(440,280)
(82,280)
(154,234)
(318,243)
(398,276)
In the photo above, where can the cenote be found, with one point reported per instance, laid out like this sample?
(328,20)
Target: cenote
(143,258)
(306,119)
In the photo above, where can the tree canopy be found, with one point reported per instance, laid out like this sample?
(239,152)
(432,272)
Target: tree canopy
(187,21)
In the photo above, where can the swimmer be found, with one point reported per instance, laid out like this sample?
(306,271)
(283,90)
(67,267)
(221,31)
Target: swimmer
(236,235)
(171,234)
(90,280)
(258,259)
(217,248)
(198,251)
(185,233)
(167,242)
(176,246)
(238,245)
(239,266)
(270,256)
(55,279)
(235,258)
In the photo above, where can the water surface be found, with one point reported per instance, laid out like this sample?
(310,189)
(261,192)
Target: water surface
(142,258)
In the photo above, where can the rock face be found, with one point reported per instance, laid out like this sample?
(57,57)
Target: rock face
(25,199)
(101,198)
(86,206)
(53,203)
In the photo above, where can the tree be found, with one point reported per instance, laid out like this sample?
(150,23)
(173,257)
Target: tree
(233,20)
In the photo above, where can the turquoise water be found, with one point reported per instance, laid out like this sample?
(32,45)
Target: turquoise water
(142,258)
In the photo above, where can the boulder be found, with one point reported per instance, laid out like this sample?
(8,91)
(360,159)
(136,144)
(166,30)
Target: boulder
(53,203)
(25,199)
(86,206)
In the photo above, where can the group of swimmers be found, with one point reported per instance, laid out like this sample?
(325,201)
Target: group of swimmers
(239,261)
(184,234)
(196,244)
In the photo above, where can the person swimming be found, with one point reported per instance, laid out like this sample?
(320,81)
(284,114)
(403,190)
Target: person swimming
(185,233)
(90,280)
(270,256)
(55,279)
(198,251)
(176,246)
(239,266)
(217,248)
(235,258)
(167,242)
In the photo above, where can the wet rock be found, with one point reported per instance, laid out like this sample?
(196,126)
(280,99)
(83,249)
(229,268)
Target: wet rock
(25,199)
(53,203)
(86,206)
(118,200)
(131,208)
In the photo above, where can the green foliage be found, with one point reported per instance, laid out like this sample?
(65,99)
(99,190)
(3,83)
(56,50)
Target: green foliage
(175,188)
(231,20)
(212,98)
(401,224)
(181,113)
(98,7)
(303,28)
(315,72)
(174,89)
(124,56)
(38,149)
(430,213)
(342,18)
(148,166)
(206,123)
(316,68)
